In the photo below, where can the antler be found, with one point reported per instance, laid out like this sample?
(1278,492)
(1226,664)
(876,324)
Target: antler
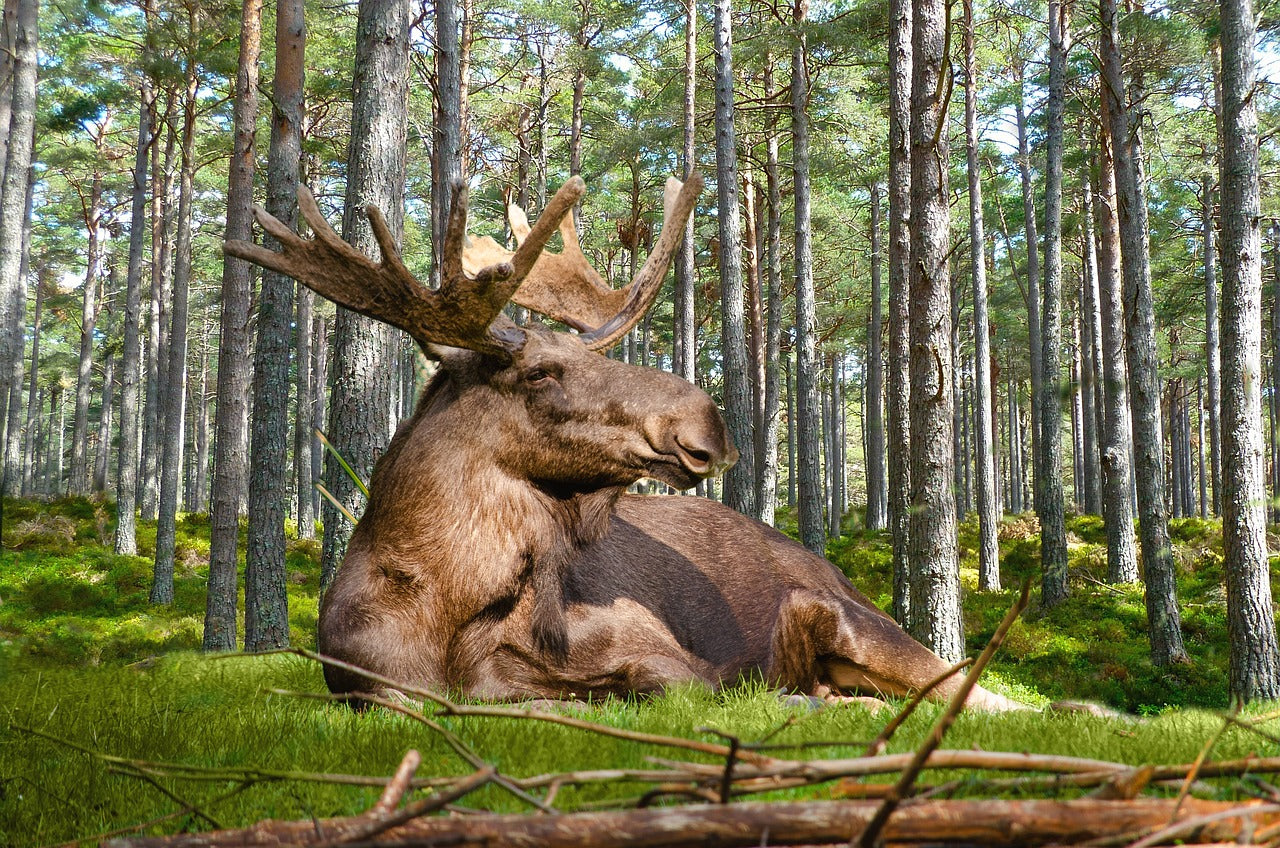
(460,313)
(565,287)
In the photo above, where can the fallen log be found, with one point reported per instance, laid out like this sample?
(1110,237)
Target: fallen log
(982,822)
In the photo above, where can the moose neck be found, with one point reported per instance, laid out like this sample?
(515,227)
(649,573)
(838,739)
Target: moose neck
(442,505)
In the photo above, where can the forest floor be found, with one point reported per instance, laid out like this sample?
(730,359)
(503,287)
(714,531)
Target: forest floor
(109,716)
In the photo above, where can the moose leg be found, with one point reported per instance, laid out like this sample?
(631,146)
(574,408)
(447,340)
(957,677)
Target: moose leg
(824,641)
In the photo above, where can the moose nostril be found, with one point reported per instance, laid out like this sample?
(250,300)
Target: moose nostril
(699,456)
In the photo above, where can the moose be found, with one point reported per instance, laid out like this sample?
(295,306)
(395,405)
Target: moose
(499,554)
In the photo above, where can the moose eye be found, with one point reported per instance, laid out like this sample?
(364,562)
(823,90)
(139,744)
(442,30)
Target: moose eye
(537,375)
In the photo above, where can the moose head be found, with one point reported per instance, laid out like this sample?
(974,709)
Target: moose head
(499,555)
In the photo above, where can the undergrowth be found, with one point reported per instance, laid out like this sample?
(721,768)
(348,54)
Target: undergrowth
(84,657)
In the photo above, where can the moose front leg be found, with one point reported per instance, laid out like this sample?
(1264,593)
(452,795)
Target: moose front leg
(824,642)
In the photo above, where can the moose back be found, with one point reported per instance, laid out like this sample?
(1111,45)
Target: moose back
(499,555)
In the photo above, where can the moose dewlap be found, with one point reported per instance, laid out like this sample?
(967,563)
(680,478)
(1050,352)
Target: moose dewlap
(499,555)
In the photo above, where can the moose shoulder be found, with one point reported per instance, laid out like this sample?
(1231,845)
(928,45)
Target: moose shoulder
(498,554)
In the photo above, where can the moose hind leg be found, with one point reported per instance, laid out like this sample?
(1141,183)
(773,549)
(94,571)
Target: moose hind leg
(823,642)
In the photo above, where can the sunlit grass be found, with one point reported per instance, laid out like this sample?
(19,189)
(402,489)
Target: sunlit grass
(84,657)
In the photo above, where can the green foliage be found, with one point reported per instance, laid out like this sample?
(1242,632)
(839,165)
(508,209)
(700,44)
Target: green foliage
(69,600)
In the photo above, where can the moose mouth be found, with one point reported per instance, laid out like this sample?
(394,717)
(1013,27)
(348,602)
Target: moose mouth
(683,467)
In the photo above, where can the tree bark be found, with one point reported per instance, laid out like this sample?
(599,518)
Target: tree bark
(88,320)
(1091,361)
(877,517)
(33,409)
(1053,532)
(686,348)
(1163,619)
(230,461)
(898,404)
(768,460)
(935,585)
(446,132)
(1034,340)
(1117,482)
(364,351)
(175,396)
(739,481)
(984,453)
(266,596)
(14,234)
(808,366)
(1255,667)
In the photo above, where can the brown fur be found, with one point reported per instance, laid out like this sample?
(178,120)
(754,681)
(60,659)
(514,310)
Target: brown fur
(498,556)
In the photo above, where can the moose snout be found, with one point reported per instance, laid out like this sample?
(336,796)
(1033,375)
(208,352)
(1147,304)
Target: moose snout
(692,434)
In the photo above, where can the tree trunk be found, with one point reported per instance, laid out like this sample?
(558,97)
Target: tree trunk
(319,379)
(104,424)
(176,391)
(686,354)
(877,517)
(1117,483)
(792,472)
(751,247)
(768,460)
(740,480)
(898,405)
(148,493)
(1255,672)
(446,134)
(88,321)
(984,453)
(1275,370)
(303,424)
(1091,361)
(13,230)
(266,597)
(808,367)
(33,410)
(935,585)
(1163,619)
(1034,340)
(201,501)
(1053,532)
(230,461)
(364,351)
(1211,348)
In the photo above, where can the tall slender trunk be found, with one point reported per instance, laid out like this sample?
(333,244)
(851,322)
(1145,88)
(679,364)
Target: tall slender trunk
(1091,361)
(303,425)
(88,322)
(230,460)
(266,597)
(984,450)
(1163,618)
(1034,340)
(807,363)
(755,330)
(739,481)
(1053,532)
(176,392)
(1200,423)
(14,214)
(1251,626)
(33,410)
(898,405)
(877,517)
(935,585)
(1117,483)
(1275,369)
(792,471)
(773,332)
(364,352)
(319,379)
(446,133)
(201,501)
(104,423)
(685,343)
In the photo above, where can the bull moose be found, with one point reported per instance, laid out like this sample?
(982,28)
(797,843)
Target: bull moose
(499,554)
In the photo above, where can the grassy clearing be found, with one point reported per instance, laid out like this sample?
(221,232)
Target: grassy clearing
(86,659)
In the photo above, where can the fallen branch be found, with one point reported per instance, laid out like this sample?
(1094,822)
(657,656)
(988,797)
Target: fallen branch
(983,822)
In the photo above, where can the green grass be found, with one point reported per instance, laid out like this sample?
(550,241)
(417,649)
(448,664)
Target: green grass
(85,658)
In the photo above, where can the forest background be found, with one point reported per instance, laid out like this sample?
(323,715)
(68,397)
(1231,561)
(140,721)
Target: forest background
(144,368)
